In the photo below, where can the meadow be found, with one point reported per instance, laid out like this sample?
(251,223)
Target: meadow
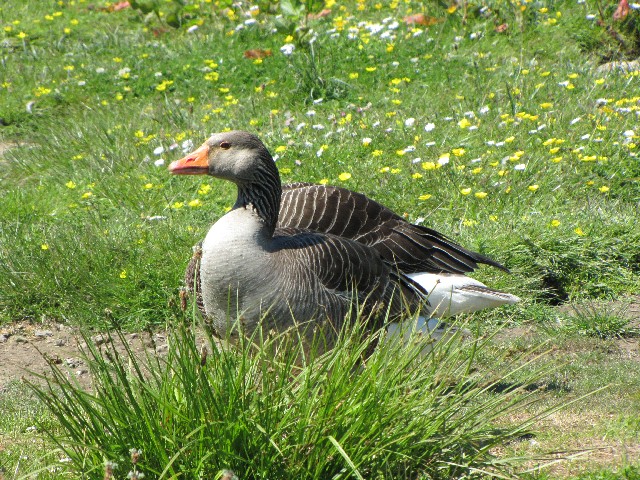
(497,123)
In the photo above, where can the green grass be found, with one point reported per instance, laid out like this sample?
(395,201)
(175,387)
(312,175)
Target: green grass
(93,233)
(281,411)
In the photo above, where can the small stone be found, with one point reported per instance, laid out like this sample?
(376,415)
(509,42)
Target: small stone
(20,339)
(72,362)
(82,371)
(133,336)
(60,342)
(4,338)
(99,339)
(43,333)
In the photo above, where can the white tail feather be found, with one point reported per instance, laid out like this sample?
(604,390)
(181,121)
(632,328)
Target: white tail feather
(451,294)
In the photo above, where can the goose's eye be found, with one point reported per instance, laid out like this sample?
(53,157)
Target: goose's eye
(225,145)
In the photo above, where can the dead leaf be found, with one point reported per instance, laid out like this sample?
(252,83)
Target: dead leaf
(421,19)
(502,28)
(257,53)
(114,7)
(320,14)
(622,11)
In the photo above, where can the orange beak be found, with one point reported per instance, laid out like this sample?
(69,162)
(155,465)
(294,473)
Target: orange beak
(196,163)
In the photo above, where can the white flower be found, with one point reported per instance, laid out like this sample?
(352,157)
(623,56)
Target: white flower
(287,48)
(158,150)
(192,28)
(320,152)
(157,74)
(586,136)
(100,70)
(564,84)
(366,141)
(318,100)
(591,16)
(429,127)
(629,133)
(300,126)
(311,113)
(635,6)
(318,126)
(429,144)
(520,166)
(575,120)
(409,122)
(444,159)
(416,160)
(484,109)
(159,162)
(82,83)
(250,21)
(187,146)
(410,148)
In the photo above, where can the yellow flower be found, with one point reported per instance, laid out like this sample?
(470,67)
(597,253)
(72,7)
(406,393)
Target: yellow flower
(324,181)
(604,189)
(123,274)
(428,166)
(533,188)
(177,205)
(353,75)
(148,186)
(344,176)
(377,153)
(579,231)
(458,152)
(416,175)
(426,196)
(44,246)
(371,69)
(71,184)
(204,189)
(480,195)
(465,191)
(555,223)
(86,195)
(280,149)
(546,105)
(464,123)
(195,203)
(451,9)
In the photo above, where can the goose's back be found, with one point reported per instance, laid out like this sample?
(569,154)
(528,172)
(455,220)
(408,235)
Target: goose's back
(341,212)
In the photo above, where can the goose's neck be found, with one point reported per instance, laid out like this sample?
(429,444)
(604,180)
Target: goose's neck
(262,195)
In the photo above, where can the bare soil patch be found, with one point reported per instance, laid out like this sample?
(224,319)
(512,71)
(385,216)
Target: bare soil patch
(26,350)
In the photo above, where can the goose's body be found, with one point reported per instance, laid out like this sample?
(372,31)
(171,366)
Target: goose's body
(309,253)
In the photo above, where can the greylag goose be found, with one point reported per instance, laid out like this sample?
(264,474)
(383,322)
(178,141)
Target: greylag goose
(297,251)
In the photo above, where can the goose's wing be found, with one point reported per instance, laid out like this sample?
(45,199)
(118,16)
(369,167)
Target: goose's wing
(344,213)
(337,273)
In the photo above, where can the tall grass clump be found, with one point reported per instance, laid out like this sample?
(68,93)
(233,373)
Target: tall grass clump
(281,411)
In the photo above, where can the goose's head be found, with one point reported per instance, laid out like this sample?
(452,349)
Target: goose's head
(236,156)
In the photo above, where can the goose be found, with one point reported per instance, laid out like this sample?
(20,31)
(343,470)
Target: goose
(306,253)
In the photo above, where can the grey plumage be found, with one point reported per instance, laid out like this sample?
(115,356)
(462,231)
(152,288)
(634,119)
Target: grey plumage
(307,252)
